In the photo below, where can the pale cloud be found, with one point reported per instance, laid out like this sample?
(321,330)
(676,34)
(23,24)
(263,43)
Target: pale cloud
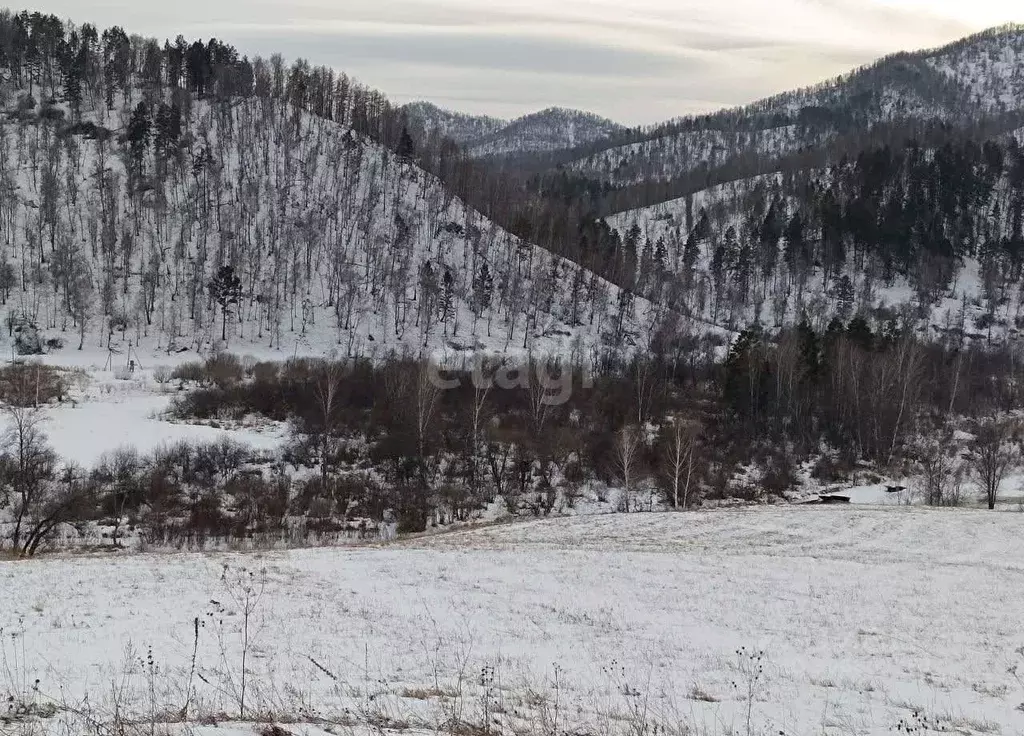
(638,61)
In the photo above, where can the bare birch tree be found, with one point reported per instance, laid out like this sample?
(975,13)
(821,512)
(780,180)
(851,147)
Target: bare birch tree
(628,446)
(678,460)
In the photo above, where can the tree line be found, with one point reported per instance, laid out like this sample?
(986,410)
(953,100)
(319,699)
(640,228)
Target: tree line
(422,445)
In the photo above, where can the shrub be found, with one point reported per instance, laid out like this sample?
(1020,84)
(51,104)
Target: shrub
(31,384)
(984,321)
(162,374)
(88,130)
(259,504)
(265,372)
(334,500)
(831,469)
(27,340)
(190,372)
(412,519)
(224,370)
(219,460)
(51,113)
(780,474)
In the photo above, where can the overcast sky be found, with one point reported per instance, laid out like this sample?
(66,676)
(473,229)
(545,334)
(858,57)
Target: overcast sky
(637,61)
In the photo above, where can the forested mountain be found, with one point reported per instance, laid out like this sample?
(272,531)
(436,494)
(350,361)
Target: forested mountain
(182,193)
(936,229)
(427,119)
(899,184)
(548,130)
(554,129)
(977,79)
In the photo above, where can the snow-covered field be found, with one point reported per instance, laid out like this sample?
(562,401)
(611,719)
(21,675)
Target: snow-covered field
(109,409)
(83,433)
(865,617)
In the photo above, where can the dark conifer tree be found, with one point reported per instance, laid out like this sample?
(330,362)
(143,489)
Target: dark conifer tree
(226,291)
(406,147)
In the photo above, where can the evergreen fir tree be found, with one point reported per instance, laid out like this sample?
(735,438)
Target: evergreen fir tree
(446,298)
(740,384)
(810,351)
(137,136)
(691,253)
(483,289)
(860,332)
(428,291)
(226,290)
(845,296)
(406,146)
(168,130)
(660,257)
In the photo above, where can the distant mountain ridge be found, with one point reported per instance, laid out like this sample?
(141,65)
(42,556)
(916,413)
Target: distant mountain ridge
(427,118)
(975,78)
(976,82)
(552,129)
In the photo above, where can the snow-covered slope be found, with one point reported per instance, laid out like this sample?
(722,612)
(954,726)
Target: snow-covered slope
(668,157)
(979,76)
(728,255)
(337,243)
(976,75)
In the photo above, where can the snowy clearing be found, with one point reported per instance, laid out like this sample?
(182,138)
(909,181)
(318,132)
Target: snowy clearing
(107,413)
(864,616)
(83,433)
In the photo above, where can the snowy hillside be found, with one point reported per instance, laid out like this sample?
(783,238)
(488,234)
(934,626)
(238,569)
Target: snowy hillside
(757,249)
(977,75)
(337,243)
(989,67)
(668,157)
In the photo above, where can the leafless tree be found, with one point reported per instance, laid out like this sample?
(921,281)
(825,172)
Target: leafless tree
(628,446)
(68,499)
(28,472)
(943,469)
(678,459)
(80,300)
(481,389)
(426,397)
(326,390)
(902,387)
(648,383)
(993,454)
(412,397)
